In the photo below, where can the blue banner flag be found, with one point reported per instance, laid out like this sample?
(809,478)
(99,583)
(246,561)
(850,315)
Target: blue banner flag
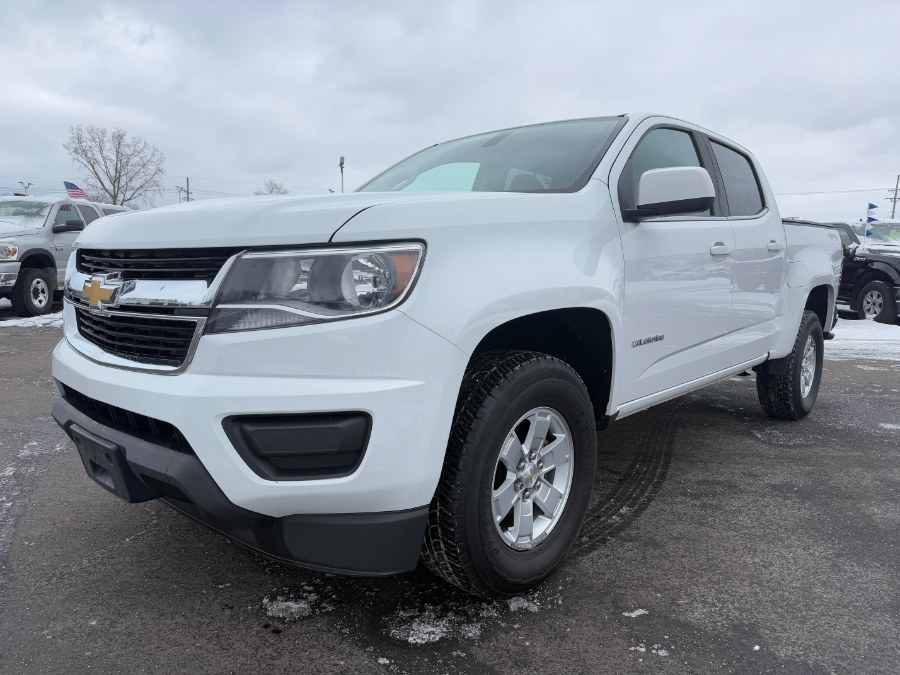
(872,206)
(870,219)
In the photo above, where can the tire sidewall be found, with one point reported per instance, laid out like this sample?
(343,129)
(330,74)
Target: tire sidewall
(504,569)
(814,328)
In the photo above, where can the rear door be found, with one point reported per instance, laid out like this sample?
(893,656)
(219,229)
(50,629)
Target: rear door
(760,244)
(678,272)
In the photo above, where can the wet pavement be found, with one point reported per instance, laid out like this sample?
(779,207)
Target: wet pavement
(717,541)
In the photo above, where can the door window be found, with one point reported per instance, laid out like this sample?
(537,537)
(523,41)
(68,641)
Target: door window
(66,212)
(661,148)
(741,185)
(88,213)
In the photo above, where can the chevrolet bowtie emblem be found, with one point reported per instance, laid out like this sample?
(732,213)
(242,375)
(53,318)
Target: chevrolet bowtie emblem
(95,293)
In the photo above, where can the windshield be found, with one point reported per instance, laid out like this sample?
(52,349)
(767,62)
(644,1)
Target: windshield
(555,157)
(23,213)
(882,234)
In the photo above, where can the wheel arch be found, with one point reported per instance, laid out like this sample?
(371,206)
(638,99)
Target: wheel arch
(580,336)
(38,258)
(821,301)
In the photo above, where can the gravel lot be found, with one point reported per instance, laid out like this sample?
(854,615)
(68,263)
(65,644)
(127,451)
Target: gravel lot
(718,541)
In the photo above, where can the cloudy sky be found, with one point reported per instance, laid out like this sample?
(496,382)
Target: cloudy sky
(238,92)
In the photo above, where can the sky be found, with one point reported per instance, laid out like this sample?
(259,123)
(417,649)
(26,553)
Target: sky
(235,93)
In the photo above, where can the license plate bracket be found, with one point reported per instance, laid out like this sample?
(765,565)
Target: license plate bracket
(105,463)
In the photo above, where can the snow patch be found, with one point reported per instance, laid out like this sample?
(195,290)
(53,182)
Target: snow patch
(288,610)
(635,613)
(462,620)
(656,649)
(54,320)
(518,603)
(864,340)
(296,605)
(885,425)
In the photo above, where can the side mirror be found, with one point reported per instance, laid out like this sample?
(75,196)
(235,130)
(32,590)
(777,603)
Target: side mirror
(672,191)
(70,226)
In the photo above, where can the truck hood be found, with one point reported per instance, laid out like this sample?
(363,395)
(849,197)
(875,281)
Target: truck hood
(245,221)
(10,230)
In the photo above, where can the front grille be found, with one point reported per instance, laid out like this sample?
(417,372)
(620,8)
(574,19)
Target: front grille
(147,339)
(188,263)
(143,427)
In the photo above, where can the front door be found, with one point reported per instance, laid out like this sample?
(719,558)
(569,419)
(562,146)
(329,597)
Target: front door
(63,242)
(679,273)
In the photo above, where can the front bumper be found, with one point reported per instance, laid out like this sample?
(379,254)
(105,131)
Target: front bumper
(9,272)
(400,374)
(370,544)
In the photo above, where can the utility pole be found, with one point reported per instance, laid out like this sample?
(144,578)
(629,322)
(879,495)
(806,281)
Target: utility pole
(341,164)
(895,198)
(186,191)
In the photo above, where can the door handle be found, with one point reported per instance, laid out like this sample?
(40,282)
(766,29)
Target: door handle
(720,248)
(774,246)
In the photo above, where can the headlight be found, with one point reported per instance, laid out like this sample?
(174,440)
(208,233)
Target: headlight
(8,250)
(276,289)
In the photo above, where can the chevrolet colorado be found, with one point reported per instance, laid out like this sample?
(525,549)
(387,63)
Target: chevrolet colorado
(420,368)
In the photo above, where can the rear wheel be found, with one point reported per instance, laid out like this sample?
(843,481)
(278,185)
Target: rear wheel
(792,393)
(517,477)
(33,293)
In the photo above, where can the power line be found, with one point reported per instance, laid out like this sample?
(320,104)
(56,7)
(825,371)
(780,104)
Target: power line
(788,180)
(832,192)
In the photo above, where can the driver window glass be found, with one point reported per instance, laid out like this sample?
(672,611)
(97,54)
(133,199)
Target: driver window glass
(88,214)
(66,212)
(660,149)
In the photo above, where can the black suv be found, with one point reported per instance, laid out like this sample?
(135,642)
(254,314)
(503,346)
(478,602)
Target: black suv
(870,281)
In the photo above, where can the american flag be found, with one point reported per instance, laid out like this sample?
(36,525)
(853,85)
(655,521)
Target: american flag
(74,191)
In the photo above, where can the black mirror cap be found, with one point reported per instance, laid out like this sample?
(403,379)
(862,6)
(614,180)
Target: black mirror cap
(673,208)
(70,226)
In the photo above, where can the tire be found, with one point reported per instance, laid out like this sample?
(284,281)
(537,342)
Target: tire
(33,293)
(876,301)
(785,396)
(506,393)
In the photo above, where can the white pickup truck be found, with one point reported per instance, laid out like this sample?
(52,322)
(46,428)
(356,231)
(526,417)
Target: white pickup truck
(420,369)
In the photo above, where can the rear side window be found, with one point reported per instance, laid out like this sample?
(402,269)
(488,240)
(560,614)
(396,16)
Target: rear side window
(660,149)
(88,213)
(741,185)
(108,211)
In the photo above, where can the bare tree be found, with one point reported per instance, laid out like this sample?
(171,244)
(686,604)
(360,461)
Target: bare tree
(122,169)
(271,187)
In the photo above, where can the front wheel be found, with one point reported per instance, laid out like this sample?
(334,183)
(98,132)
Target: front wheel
(876,301)
(792,393)
(33,293)
(517,477)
